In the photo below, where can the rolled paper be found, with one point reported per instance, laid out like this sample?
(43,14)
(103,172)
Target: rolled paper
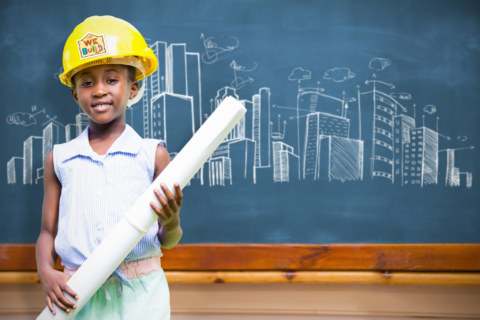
(140,217)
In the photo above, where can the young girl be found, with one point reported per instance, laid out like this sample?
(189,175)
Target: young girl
(91,181)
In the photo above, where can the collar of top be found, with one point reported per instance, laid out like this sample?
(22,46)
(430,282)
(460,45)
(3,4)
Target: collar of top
(128,142)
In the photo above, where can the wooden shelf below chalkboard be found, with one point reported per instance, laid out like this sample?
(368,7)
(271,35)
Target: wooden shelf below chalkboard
(293,257)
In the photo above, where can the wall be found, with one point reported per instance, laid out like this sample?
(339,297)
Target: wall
(287,301)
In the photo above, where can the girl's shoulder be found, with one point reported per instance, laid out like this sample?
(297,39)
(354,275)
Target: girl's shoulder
(153,143)
(69,149)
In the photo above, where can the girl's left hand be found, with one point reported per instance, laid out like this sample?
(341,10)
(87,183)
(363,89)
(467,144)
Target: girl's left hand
(168,215)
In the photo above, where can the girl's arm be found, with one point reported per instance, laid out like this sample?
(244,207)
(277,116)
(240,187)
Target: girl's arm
(53,281)
(169,229)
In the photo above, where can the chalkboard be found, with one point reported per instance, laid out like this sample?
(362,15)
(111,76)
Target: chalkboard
(362,122)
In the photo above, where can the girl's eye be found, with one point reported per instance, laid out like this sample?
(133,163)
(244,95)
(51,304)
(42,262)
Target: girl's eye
(86,84)
(112,81)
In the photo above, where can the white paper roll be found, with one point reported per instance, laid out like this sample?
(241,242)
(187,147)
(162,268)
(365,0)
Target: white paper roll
(140,217)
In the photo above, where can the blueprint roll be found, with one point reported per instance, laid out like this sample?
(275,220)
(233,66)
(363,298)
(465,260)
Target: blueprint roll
(140,217)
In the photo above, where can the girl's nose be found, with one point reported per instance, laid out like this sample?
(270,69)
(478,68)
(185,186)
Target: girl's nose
(99,90)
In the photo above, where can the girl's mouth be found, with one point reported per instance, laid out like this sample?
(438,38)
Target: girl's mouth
(101,106)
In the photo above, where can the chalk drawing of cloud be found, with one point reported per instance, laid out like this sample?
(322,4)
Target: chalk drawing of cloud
(430,109)
(338,74)
(379,64)
(21,119)
(299,74)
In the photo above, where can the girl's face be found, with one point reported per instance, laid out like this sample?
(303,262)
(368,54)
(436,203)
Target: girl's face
(103,92)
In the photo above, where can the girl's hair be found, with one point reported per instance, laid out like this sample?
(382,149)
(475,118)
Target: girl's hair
(131,75)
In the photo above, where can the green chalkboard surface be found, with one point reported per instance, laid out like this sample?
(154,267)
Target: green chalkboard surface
(362,122)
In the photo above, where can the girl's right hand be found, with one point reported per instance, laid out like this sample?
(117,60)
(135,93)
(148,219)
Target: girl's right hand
(54,285)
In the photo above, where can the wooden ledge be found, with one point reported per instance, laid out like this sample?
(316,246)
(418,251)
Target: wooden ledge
(293,257)
(318,277)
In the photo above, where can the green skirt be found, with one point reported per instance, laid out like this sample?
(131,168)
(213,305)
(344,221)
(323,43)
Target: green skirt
(148,298)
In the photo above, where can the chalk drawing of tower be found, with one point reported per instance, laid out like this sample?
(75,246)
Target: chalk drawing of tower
(261,128)
(173,96)
(403,125)
(421,158)
(379,110)
(320,124)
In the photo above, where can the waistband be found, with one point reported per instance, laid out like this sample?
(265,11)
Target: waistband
(132,269)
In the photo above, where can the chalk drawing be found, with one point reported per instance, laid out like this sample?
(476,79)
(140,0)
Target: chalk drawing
(379,64)
(430,109)
(214,47)
(376,135)
(238,82)
(337,74)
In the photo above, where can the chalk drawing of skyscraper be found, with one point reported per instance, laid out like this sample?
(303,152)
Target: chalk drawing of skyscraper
(169,110)
(320,124)
(378,131)
(261,127)
(421,158)
(340,159)
(173,96)
(14,170)
(32,158)
(403,125)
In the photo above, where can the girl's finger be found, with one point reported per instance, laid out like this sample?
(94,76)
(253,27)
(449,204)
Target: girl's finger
(179,194)
(57,302)
(50,306)
(159,212)
(161,199)
(64,300)
(168,194)
(166,205)
(72,293)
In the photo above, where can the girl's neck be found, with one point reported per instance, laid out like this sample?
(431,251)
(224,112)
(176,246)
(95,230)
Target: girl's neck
(102,136)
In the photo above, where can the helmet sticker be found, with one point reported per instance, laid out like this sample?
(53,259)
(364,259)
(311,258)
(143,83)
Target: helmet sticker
(91,45)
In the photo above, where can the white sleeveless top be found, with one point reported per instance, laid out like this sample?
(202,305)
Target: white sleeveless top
(98,190)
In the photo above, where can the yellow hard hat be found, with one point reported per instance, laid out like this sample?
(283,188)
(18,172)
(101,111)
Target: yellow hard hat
(106,40)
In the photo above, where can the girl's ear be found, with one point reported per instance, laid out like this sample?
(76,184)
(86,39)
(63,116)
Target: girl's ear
(74,94)
(133,90)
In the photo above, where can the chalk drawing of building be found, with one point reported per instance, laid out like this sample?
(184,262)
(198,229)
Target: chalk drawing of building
(194,86)
(339,159)
(421,158)
(32,158)
(378,131)
(235,156)
(453,175)
(248,118)
(242,155)
(155,86)
(403,124)
(311,100)
(168,110)
(319,144)
(285,162)
(320,124)
(173,93)
(52,134)
(70,131)
(220,173)
(261,127)
(15,170)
